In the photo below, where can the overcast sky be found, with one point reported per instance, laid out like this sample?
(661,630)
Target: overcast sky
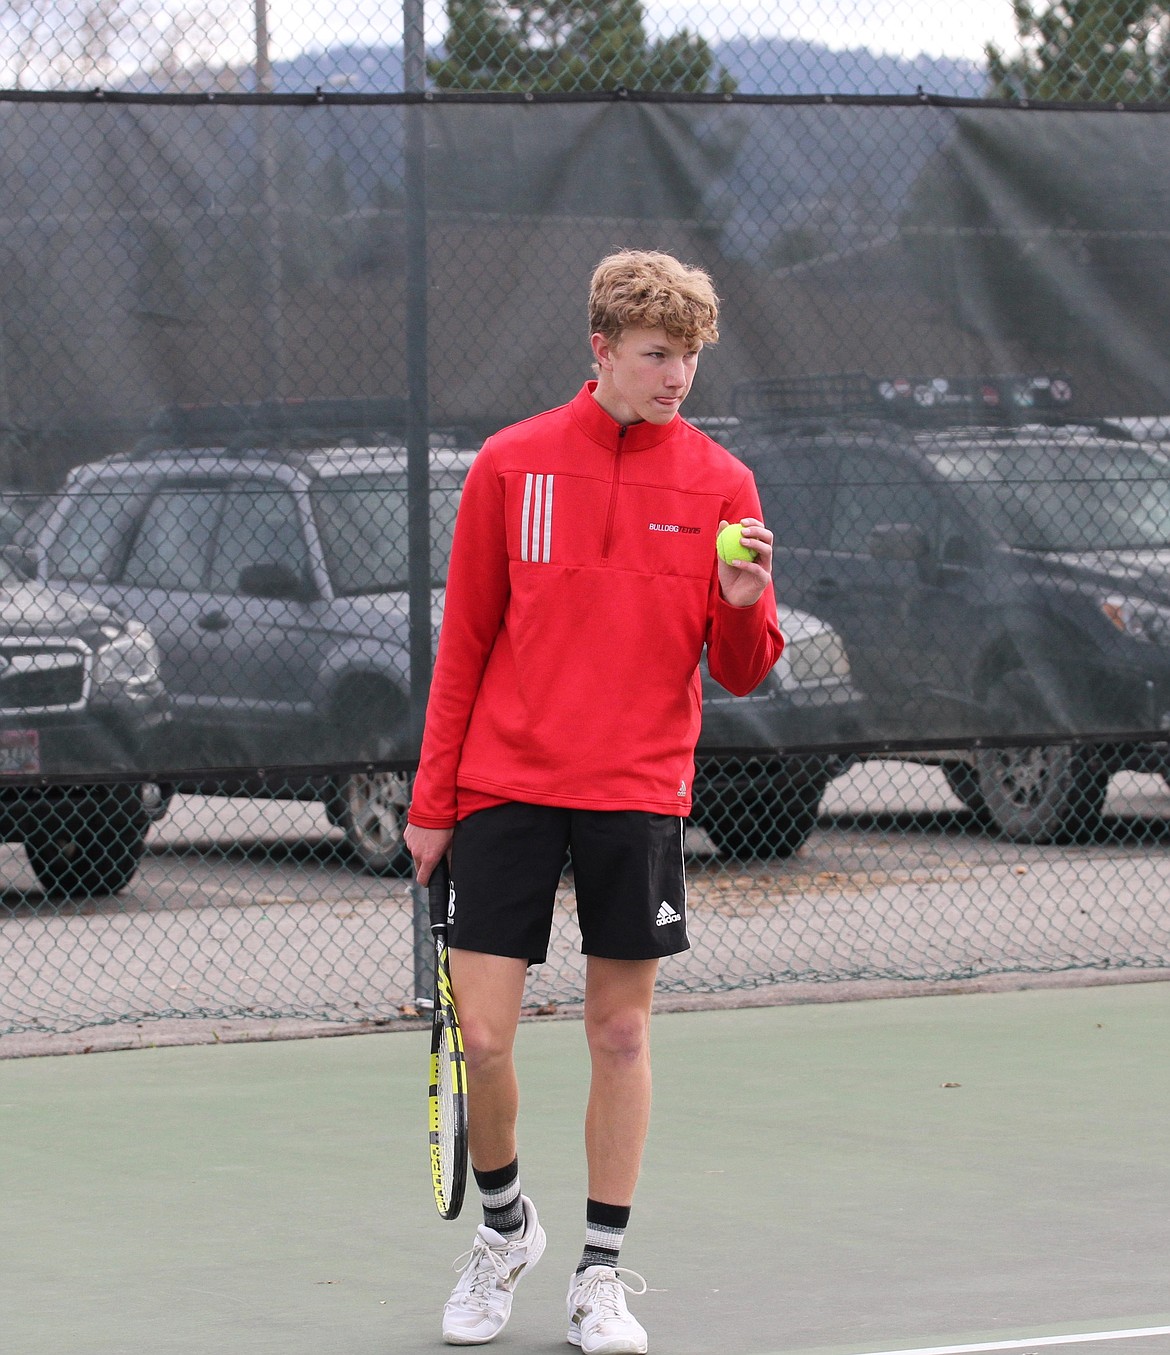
(904,27)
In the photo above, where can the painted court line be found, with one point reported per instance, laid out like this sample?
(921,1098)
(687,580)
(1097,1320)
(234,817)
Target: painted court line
(1031,1342)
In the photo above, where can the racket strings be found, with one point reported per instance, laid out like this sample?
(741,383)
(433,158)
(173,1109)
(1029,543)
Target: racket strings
(448,1115)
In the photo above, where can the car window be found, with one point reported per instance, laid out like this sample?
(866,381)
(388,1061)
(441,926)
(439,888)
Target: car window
(795,490)
(88,544)
(1045,495)
(874,491)
(173,541)
(260,526)
(363,519)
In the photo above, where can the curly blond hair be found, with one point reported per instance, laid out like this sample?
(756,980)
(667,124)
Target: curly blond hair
(636,288)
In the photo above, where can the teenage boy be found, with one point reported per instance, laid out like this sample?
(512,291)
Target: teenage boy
(563,717)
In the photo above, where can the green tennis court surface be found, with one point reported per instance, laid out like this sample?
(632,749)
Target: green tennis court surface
(900,1175)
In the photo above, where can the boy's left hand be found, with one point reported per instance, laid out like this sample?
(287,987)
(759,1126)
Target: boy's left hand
(743,582)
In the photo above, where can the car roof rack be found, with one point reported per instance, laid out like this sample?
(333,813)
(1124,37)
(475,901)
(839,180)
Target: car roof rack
(201,424)
(296,446)
(281,429)
(907,399)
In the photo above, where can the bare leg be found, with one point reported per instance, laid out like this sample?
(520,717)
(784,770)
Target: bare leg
(489,990)
(618,995)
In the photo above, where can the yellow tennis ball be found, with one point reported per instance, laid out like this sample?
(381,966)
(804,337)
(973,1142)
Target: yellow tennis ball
(729,545)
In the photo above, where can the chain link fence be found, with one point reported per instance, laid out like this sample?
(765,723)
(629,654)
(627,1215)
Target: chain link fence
(271,275)
(1104,53)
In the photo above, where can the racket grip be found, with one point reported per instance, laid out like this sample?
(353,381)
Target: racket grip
(439,894)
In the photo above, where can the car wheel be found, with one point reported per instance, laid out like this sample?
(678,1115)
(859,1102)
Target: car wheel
(755,809)
(156,799)
(370,808)
(1043,793)
(89,844)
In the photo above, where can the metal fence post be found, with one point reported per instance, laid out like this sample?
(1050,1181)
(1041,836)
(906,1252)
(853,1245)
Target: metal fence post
(417,433)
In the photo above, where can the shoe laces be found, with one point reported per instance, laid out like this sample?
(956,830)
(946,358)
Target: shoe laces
(602,1291)
(484,1267)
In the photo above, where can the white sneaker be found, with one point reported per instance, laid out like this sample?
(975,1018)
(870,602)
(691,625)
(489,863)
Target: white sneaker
(481,1302)
(599,1321)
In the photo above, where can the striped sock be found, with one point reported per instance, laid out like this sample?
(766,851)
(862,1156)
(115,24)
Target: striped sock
(502,1207)
(605,1230)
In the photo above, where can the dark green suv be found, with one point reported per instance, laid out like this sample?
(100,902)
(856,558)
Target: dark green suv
(80,693)
(995,567)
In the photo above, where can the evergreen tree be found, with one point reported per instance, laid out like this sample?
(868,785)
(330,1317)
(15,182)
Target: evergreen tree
(566,45)
(1090,51)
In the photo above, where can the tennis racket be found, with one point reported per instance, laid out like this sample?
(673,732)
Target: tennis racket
(448,1095)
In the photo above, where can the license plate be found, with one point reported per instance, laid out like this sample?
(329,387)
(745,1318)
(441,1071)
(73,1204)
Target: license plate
(20,751)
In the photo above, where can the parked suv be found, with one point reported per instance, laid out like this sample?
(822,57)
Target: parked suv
(275,581)
(994,566)
(79,693)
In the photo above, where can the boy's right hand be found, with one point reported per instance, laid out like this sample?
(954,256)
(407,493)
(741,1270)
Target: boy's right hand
(427,846)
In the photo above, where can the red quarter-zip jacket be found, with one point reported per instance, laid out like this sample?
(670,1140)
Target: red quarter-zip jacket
(581,590)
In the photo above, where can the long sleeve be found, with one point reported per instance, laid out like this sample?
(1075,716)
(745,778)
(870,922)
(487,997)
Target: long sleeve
(477,595)
(743,643)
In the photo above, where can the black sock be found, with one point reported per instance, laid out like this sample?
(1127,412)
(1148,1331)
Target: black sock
(502,1207)
(605,1229)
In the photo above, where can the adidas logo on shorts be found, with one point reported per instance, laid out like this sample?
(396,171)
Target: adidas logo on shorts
(666,915)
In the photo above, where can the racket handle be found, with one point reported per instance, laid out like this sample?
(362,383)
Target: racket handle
(439,895)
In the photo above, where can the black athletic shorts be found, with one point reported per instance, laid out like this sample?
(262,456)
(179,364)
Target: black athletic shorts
(506,864)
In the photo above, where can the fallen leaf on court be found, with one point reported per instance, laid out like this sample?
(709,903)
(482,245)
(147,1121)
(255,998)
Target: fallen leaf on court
(952,1084)
(408,1009)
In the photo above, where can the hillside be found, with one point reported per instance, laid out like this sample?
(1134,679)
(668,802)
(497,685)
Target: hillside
(758,66)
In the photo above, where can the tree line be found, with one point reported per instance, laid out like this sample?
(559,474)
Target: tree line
(1091,51)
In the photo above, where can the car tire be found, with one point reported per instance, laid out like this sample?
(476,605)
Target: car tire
(88,844)
(756,810)
(1044,793)
(156,799)
(369,806)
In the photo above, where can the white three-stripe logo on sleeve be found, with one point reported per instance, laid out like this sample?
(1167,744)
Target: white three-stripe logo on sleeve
(536,523)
